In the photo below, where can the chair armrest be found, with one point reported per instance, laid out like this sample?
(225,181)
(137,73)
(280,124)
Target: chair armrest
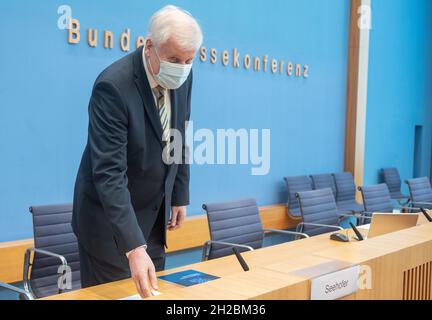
(27,264)
(368,212)
(320,225)
(415,208)
(17,290)
(421,203)
(409,208)
(361,216)
(229,244)
(48,253)
(403,201)
(304,235)
(347,215)
(206,247)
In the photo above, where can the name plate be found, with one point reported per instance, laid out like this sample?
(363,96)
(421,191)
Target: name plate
(335,285)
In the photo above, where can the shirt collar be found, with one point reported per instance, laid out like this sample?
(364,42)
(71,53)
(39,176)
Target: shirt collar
(152,81)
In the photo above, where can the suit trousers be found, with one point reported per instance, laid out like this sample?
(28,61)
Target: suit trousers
(95,271)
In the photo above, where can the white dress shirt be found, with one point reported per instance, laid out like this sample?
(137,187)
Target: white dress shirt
(153,85)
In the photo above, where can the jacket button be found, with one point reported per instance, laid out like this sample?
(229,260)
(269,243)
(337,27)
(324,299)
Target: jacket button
(155,208)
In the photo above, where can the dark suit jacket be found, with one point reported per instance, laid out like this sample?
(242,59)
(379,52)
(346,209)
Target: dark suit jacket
(122,182)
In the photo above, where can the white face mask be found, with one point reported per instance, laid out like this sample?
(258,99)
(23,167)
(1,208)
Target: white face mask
(171,75)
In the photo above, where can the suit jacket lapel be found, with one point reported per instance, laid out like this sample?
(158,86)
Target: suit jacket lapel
(173,100)
(145,91)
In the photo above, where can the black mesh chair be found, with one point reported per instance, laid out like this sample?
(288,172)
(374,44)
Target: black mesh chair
(52,266)
(235,224)
(420,192)
(376,198)
(324,181)
(392,179)
(319,212)
(294,185)
(346,192)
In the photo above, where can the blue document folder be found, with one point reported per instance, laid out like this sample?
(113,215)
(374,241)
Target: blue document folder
(188,278)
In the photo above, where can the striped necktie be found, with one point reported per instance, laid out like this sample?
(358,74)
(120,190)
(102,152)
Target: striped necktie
(163,113)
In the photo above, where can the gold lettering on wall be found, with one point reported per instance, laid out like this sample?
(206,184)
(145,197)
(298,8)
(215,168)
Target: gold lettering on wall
(298,70)
(92,36)
(74,35)
(213,55)
(225,58)
(140,42)
(257,64)
(108,40)
(290,68)
(236,57)
(274,66)
(281,67)
(306,71)
(203,54)
(247,62)
(125,40)
(263,63)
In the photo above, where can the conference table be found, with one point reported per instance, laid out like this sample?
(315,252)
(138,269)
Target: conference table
(400,265)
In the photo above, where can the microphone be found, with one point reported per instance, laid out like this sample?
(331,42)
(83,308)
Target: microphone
(357,232)
(428,217)
(240,259)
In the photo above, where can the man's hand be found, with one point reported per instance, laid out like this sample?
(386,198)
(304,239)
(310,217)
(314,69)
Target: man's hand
(177,219)
(143,272)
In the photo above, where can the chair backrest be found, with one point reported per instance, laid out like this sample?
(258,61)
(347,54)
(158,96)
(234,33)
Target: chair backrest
(376,198)
(392,179)
(53,232)
(294,185)
(420,191)
(345,186)
(236,222)
(323,181)
(318,206)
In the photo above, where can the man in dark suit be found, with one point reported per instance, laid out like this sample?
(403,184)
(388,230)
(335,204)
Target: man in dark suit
(127,191)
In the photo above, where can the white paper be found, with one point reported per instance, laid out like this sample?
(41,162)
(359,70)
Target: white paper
(138,297)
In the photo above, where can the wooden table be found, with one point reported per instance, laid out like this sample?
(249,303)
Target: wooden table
(401,265)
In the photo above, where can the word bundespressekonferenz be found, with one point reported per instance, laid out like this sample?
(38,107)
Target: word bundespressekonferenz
(226,58)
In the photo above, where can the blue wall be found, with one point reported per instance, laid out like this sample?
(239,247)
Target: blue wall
(45,85)
(400,86)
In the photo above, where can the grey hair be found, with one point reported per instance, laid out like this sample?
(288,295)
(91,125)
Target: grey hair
(173,22)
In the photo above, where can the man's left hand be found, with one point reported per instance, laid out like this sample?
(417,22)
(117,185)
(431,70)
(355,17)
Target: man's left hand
(177,218)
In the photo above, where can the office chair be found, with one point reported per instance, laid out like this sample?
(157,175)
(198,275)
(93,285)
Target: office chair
(376,198)
(55,259)
(235,224)
(323,181)
(294,185)
(319,212)
(420,192)
(346,192)
(392,179)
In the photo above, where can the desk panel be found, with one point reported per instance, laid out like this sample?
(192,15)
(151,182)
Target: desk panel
(398,261)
